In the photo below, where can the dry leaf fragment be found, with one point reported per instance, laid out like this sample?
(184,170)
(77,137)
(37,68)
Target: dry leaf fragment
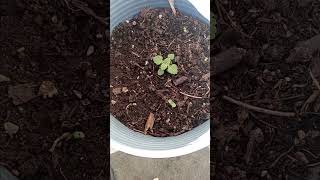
(11,128)
(47,89)
(149,123)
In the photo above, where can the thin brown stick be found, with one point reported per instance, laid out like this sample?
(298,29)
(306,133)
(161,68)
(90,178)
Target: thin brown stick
(314,164)
(315,81)
(259,109)
(136,54)
(281,156)
(171,2)
(192,96)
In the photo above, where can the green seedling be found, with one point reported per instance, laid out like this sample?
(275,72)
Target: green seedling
(166,64)
(78,135)
(172,103)
(213,24)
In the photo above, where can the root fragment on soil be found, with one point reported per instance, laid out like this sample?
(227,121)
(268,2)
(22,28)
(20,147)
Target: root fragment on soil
(136,54)
(192,96)
(259,109)
(281,156)
(127,108)
(84,7)
(315,81)
(62,137)
(310,100)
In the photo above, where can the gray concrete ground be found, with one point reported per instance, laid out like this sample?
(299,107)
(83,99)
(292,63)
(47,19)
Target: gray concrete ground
(195,166)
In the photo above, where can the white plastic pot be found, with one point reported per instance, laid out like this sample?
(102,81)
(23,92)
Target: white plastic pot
(125,139)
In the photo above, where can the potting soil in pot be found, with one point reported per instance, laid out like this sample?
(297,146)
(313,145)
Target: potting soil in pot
(160,103)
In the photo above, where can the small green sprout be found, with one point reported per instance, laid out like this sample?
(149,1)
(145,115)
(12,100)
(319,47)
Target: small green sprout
(157,59)
(78,135)
(173,69)
(160,72)
(165,64)
(172,103)
(171,56)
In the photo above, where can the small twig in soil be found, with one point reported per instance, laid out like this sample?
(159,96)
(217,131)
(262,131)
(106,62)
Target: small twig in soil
(263,122)
(314,164)
(282,155)
(196,97)
(136,64)
(315,81)
(259,109)
(313,155)
(83,6)
(231,22)
(310,100)
(171,2)
(61,172)
(136,54)
(127,108)
(171,43)
(62,137)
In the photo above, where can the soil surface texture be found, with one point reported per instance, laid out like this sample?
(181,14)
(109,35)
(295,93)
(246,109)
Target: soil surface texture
(265,100)
(137,89)
(53,82)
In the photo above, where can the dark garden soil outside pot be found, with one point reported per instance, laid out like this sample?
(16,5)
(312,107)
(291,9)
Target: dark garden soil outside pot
(138,91)
(59,51)
(265,103)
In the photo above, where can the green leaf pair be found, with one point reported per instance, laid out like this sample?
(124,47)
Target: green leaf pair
(165,64)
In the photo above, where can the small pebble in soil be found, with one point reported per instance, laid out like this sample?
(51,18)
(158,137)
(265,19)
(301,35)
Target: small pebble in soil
(21,50)
(99,36)
(113,102)
(116,91)
(134,23)
(288,79)
(125,89)
(90,50)
(160,16)
(264,173)
(231,13)
(77,93)
(85,102)
(11,128)
(127,21)
(54,19)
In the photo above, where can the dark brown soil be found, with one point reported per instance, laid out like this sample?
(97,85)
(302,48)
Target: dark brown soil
(47,41)
(134,43)
(273,74)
